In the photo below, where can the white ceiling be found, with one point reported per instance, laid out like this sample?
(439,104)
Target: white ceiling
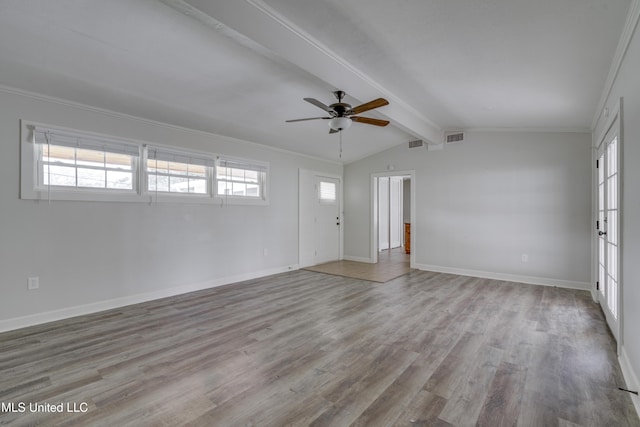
(241,67)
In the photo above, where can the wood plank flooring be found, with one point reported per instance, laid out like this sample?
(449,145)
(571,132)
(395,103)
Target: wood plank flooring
(304,348)
(391,265)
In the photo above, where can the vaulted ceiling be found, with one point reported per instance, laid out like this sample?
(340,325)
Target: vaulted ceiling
(240,68)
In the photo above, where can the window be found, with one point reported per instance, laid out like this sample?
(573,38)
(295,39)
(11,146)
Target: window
(170,171)
(61,166)
(238,180)
(72,161)
(66,164)
(327,192)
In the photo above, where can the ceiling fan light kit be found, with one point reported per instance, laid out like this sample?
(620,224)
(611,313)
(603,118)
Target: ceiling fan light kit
(342,115)
(340,123)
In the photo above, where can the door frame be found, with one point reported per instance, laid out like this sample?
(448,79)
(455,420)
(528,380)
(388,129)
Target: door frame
(390,229)
(373,210)
(301,234)
(614,123)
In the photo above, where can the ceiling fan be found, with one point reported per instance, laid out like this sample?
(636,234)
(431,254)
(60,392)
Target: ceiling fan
(341,114)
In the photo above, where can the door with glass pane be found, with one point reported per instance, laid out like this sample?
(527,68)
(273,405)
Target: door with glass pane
(608,227)
(319,219)
(327,219)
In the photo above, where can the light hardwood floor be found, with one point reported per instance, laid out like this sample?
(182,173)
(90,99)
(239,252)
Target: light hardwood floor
(305,348)
(391,264)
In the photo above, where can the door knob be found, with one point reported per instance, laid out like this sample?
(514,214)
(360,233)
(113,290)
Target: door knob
(602,233)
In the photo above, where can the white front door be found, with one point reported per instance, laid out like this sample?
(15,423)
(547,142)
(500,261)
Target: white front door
(327,221)
(608,228)
(320,218)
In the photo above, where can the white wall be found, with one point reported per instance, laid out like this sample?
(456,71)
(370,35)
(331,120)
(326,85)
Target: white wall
(91,256)
(627,86)
(482,203)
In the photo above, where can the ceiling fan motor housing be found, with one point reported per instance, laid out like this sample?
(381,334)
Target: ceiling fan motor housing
(340,108)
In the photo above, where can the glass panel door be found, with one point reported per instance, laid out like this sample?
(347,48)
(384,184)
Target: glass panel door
(608,229)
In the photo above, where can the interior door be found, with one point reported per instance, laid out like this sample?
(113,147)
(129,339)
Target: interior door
(608,228)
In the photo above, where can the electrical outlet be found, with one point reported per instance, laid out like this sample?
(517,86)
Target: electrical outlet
(33,283)
(525,258)
(265,252)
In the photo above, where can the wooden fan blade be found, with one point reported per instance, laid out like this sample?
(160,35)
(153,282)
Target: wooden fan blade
(370,121)
(309,118)
(319,104)
(380,102)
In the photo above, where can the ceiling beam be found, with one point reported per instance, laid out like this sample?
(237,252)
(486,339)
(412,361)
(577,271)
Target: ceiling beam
(262,24)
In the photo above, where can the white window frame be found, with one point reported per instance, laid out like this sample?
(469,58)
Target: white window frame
(32,188)
(31,182)
(182,156)
(237,162)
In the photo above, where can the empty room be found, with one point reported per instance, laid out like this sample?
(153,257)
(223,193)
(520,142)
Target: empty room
(319,213)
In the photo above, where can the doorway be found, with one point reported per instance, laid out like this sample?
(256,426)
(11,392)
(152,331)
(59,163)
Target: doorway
(320,218)
(392,217)
(390,212)
(608,225)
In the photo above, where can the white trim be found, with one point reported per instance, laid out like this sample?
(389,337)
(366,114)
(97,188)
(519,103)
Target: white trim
(81,310)
(633,17)
(31,187)
(526,130)
(311,41)
(531,280)
(596,143)
(373,214)
(630,377)
(315,175)
(615,119)
(263,169)
(614,115)
(256,20)
(594,216)
(115,114)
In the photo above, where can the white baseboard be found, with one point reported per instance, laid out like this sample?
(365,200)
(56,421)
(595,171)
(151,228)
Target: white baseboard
(630,377)
(65,313)
(507,277)
(357,259)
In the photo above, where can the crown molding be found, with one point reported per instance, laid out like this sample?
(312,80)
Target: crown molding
(526,130)
(623,45)
(220,138)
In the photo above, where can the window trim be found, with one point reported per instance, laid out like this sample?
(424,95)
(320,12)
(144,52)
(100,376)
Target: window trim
(32,189)
(263,182)
(41,186)
(207,158)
